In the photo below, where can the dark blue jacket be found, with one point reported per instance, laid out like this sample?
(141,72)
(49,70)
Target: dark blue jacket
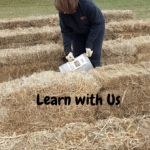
(91,23)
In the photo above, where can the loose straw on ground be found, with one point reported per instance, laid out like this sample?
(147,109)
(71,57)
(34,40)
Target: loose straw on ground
(111,133)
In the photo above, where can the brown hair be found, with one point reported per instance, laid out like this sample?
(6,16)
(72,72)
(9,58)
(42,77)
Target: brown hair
(68,6)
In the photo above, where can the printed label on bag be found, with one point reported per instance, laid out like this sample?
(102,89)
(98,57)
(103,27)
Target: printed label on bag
(77,63)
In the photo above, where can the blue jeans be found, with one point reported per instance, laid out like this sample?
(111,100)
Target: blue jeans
(79,46)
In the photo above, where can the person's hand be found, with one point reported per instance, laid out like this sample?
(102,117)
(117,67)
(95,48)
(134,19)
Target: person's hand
(89,52)
(70,57)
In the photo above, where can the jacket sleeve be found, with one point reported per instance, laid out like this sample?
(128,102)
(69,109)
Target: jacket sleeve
(96,20)
(67,34)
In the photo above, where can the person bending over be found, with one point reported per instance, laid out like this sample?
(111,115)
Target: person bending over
(83,26)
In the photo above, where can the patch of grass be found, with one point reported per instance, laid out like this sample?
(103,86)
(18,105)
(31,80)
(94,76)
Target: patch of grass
(140,8)
(24,8)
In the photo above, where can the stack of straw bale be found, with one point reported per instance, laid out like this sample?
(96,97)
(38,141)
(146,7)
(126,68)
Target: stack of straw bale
(21,112)
(33,35)
(24,124)
(112,133)
(24,61)
(29,36)
(53,20)
(127,29)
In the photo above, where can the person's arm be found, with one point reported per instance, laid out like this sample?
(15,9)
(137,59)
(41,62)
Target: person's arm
(67,34)
(96,20)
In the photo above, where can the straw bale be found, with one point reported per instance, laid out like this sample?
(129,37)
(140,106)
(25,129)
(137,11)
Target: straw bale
(19,98)
(131,83)
(53,19)
(127,29)
(121,47)
(29,36)
(118,51)
(31,21)
(112,75)
(117,59)
(27,54)
(24,61)
(125,50)
(142,44)
(143,57)
(117,15)
(11,72)
(111,133)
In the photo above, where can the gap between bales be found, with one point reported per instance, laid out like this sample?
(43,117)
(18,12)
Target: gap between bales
(53,20)
(21,113)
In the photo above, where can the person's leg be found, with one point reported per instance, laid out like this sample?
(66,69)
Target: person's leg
(79,43)
(79,46)
(97,47)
